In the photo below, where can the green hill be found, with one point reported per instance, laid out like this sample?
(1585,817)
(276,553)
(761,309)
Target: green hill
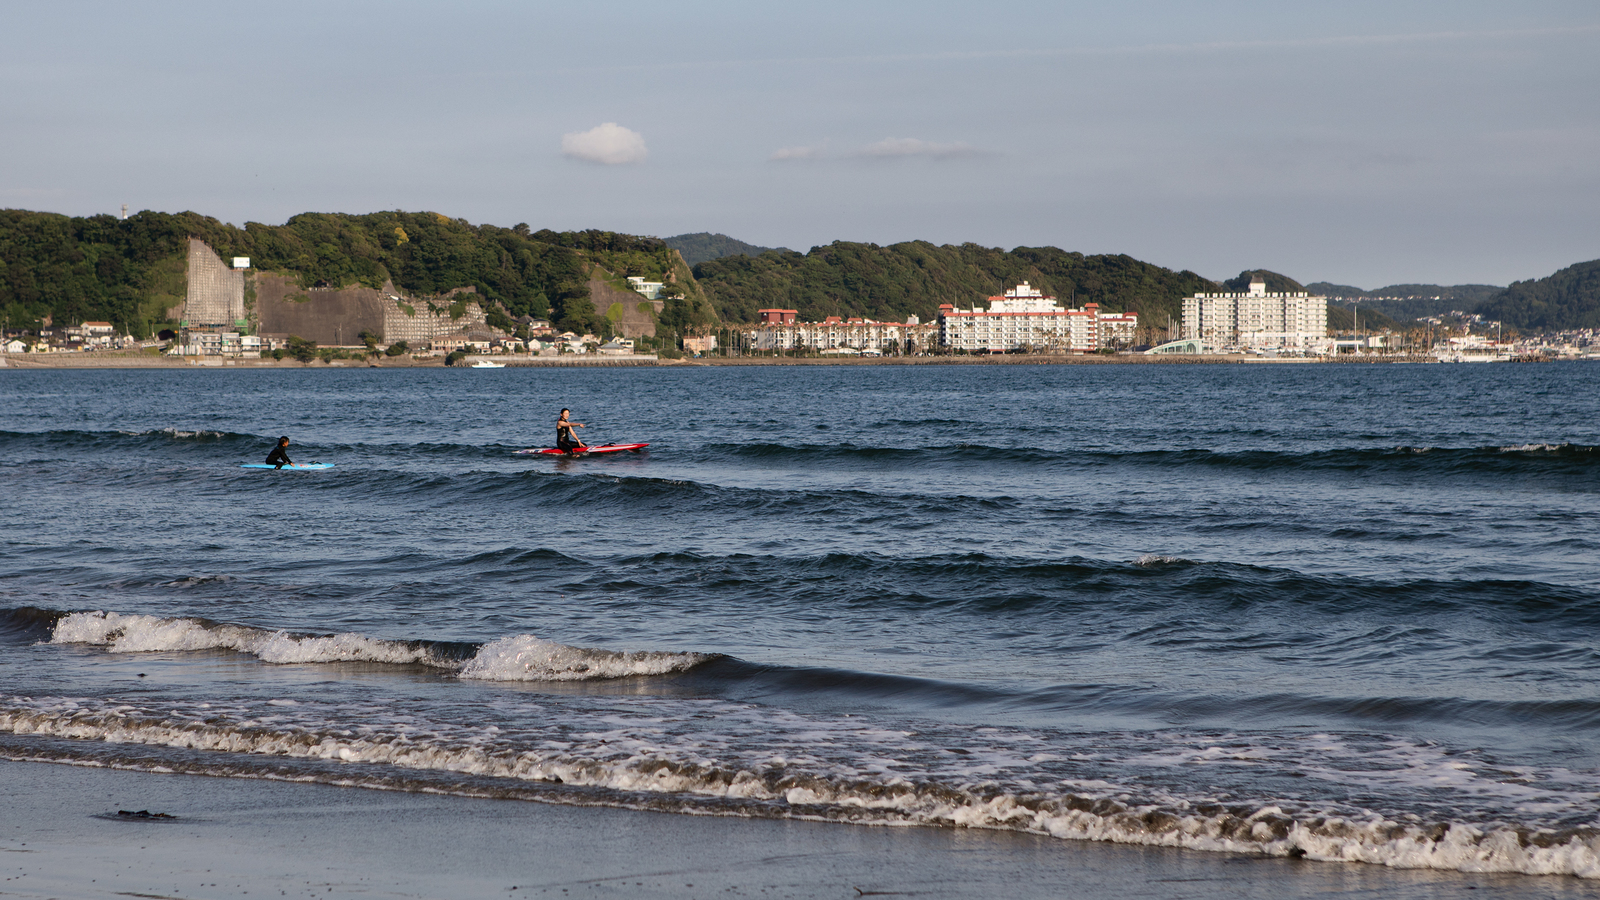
(913,278)
(1276,284)
(703,245)
(1328,289)
(1342,318)
(1569,299)
(1409,302)
(129,271)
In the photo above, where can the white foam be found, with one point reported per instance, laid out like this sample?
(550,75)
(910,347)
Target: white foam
(1536,448)
(524,657)
(1151,560)
(183,435)
(121,633)
(516,658)
(755,757)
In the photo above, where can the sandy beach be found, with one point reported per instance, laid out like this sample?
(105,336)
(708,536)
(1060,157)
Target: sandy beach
(235,837)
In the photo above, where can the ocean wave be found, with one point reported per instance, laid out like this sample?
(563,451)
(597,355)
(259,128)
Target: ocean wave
(1530,456)
(80,439)
(512,658)
(524,657)
(840,770)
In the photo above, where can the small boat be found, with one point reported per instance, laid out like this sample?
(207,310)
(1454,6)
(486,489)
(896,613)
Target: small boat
(485,364)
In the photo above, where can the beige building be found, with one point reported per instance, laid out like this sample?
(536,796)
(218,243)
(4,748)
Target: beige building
(1257,320)
(781,330)
(1025,319)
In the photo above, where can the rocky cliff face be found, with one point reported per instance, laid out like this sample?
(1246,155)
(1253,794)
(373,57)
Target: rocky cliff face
(630,313)
(336,317)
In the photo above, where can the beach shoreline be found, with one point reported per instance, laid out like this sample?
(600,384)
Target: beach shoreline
(236,837)
(26,361)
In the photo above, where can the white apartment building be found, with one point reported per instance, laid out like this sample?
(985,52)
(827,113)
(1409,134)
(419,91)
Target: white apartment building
(780,330)
(1024,318)
(219,343)
(1257,320)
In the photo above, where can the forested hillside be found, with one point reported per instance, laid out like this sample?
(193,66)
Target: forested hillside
(703,245)
(890,283)
(1408,302)
(129,271)
(1276,284)
(1569,299)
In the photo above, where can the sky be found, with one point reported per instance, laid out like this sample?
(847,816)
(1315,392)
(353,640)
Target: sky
(1362,143)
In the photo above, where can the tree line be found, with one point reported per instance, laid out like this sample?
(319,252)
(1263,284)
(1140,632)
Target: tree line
(130,271)
(913,278)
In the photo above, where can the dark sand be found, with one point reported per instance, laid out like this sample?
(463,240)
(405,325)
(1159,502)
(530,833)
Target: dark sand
(60,837)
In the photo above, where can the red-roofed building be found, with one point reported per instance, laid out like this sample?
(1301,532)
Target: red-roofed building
(1025,319)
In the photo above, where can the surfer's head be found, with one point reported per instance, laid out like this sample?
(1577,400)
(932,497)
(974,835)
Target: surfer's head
(283,440)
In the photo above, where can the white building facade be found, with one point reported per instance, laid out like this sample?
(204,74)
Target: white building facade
(1257,320)
(781,330)
(1026,319)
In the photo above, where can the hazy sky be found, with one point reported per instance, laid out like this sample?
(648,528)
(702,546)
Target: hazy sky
(1363,143)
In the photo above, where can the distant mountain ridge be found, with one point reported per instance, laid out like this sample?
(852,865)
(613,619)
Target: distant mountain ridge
(1406,302)
(1566,300)
(701,246)
(1464,293)
(131,272)
(889,283)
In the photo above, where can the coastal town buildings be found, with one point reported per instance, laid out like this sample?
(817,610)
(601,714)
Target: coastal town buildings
(218,343)
(780,329)
(706,343)
(1026,319)
(1257,320)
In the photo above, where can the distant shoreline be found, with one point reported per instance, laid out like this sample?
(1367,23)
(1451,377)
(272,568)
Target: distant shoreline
(132,361)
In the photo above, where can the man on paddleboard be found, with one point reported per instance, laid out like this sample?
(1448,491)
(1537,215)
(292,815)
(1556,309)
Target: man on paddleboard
(567,441)
(280,454)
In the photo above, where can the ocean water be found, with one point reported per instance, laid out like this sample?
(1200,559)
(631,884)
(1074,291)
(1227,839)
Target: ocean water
(1346,613)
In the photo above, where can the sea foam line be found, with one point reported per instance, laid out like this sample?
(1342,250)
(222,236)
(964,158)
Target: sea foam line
(514,658)
(781,787)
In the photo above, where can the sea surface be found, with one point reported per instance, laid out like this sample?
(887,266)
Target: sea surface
(1339,612)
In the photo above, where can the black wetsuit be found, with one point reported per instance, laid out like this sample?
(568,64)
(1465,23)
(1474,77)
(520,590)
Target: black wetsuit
(279,457)
(566,441)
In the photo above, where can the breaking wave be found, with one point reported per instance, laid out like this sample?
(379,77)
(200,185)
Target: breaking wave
(833,770)
(513,658)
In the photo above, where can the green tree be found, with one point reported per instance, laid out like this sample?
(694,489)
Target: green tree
(303,350)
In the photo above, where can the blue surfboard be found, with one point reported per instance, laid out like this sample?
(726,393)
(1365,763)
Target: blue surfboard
(313,465)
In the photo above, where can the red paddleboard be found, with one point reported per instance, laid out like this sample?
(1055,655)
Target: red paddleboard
(592,450)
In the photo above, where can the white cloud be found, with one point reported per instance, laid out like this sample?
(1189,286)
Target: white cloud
(784,153)
(609,144)
(890,148)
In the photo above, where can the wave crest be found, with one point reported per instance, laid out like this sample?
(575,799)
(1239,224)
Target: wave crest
(521,657)
(524,657)
(648,770)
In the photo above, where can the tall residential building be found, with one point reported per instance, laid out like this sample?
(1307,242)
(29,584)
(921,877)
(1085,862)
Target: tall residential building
(1025,319)
(1257,320)
(780,329)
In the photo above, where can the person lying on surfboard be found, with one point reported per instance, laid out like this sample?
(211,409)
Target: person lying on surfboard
(280,454)
(566,440)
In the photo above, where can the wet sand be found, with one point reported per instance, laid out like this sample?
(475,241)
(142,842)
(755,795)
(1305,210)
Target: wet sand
(60,837)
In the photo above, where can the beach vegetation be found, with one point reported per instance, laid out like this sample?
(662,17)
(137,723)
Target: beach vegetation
(301,349)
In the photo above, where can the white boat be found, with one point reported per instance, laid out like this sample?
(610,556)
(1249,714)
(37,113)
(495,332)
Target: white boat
(1471,355)
(485,364)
